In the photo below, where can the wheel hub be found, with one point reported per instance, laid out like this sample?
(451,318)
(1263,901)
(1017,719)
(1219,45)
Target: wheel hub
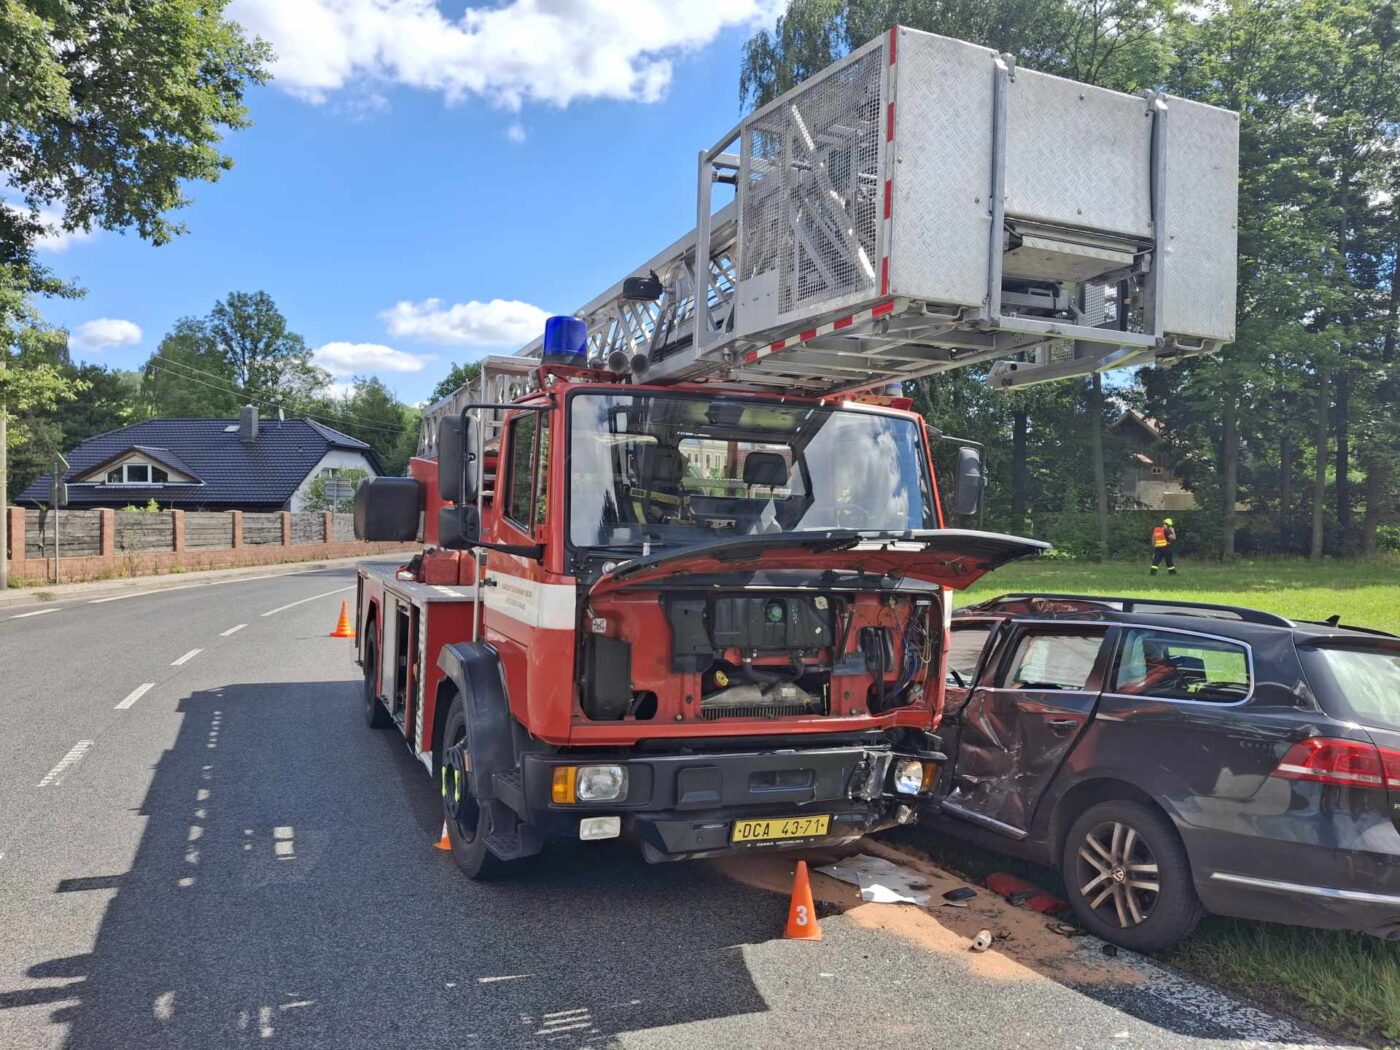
(1118,874)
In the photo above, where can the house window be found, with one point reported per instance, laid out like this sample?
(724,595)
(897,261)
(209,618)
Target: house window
(137,474)
(1156,472)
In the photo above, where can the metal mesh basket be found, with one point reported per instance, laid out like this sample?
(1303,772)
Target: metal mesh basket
(811,189)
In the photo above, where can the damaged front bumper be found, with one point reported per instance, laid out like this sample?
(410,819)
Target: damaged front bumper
(682,806)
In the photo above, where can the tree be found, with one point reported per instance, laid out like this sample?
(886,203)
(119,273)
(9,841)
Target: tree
(241,353)
(458,376)
(371,413)
(316,498)
(109,108)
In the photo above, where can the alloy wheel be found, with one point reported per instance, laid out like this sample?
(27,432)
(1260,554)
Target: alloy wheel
(1118,874)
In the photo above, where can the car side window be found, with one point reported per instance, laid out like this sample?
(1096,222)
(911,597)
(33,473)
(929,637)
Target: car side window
(964,651)
(1052,659)
(1172,666)
(520,503)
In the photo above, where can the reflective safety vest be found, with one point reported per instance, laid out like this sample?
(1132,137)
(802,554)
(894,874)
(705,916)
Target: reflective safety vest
(1159,536)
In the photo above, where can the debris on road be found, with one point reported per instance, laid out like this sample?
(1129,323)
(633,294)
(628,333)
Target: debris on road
(880,881)
(1025,894)
(982,941)
(962,893)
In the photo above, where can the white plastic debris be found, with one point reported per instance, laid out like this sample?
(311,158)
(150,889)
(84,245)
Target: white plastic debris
(880,881)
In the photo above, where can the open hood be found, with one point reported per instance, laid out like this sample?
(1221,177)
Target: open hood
(954,558)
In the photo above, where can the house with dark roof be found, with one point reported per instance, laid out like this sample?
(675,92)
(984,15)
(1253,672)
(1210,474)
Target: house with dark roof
(207,464)
(1149,484)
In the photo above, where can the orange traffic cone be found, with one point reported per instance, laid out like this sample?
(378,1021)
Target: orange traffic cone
(802,922)
(343,628)
(444,842)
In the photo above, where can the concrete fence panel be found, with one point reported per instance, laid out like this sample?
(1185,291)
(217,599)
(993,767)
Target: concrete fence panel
(308,528)
(140,531)
(208,531)
(79,533)
(261,528)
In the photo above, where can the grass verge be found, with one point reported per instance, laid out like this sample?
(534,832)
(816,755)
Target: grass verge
(1343,982)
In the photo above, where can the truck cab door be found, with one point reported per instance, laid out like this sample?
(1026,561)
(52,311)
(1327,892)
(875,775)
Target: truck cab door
(1021,720)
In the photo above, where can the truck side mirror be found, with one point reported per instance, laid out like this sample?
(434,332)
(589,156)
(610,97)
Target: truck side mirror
(459,445)
(967,486)
(387,509)
(459,528)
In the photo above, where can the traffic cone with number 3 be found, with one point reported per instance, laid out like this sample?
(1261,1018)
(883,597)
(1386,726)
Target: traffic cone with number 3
(802,922)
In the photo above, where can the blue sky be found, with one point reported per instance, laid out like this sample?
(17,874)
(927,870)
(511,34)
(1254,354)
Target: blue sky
(506,161)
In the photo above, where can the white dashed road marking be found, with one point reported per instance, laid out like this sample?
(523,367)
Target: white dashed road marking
(188,656)
(232,630)
(282,608)
(67,762)
(142,594)
(136,694)
(36,612)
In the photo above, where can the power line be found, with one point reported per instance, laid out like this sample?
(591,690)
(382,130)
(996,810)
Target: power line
(329,421)
(223,387)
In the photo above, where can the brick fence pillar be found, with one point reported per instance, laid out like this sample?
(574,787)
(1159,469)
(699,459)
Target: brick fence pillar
(107,532)
(177,530)
(236,517)
(16,533)
(286,528)
(328,526)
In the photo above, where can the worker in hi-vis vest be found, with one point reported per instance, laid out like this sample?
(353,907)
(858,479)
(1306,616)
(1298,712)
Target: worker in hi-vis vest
(1163,540)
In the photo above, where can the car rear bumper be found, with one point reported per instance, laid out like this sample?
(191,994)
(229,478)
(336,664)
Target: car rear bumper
(1326,907)
(685,806)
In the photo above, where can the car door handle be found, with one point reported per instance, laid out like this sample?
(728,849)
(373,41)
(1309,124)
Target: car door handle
(1061,726)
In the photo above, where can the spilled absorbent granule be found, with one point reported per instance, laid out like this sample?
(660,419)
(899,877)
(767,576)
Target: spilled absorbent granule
(1024,947)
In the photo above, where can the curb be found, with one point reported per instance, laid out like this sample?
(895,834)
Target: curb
(173,580)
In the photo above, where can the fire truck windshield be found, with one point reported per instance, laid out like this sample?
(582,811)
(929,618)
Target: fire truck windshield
(676,469)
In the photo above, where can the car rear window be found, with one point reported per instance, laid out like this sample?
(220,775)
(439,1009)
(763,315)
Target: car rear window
(1359,685)
(1170,666)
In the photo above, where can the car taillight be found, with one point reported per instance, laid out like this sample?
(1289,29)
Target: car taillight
(1346,763)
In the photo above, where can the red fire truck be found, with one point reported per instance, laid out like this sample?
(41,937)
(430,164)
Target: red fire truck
(687,573)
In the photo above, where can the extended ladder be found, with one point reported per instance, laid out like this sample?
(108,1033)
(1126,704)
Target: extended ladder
(922,205)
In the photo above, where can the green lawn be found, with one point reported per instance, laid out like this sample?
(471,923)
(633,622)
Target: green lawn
(1345,982)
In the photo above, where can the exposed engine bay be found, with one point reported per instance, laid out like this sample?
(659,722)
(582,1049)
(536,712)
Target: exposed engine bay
(687,654)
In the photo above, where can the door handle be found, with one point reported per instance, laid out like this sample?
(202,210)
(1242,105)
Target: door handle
(1061,726)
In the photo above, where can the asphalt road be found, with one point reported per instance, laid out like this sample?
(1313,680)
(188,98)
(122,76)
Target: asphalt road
(202,845)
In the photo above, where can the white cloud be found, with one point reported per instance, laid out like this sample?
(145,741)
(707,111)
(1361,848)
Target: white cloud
(554,51)
(104,332)
(501,322)
(516,132)
(349,359)
(54,238)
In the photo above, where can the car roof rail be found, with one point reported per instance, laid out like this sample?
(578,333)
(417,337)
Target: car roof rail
(1336,623)
(1236,612)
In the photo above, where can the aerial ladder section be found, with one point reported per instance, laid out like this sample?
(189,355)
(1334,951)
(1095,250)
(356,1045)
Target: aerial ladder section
(921,205)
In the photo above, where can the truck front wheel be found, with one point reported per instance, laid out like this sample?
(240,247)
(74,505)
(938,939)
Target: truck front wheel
(468,820)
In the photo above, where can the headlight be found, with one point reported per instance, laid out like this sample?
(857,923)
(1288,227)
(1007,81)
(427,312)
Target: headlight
(908,776)
(601,783)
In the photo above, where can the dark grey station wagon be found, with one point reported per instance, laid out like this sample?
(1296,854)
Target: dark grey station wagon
(1175,758)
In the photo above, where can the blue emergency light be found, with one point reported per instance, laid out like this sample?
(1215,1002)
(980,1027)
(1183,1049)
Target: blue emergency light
(565,341)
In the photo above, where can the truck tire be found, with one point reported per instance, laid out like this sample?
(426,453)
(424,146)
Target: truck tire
(1128,878)
(467,823)
(376,714)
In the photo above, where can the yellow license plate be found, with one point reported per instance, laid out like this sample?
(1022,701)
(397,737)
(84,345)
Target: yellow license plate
(772,830)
